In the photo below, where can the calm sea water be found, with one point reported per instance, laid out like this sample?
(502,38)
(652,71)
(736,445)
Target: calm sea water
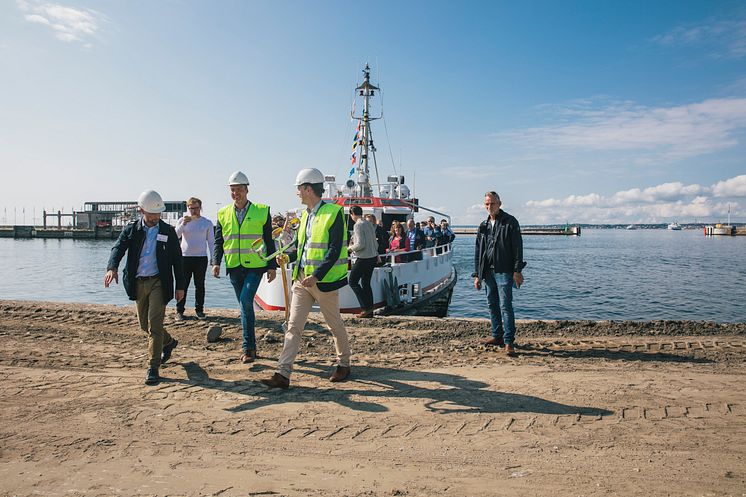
(604,274)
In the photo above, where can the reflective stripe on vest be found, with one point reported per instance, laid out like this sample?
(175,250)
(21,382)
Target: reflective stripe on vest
(318,245)
(237,239)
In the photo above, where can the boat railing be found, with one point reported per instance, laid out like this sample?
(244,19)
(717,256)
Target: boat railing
(390,257)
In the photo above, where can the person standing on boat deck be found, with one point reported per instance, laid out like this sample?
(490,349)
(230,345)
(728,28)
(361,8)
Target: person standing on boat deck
(365,247)
(153,263)
(197,245)
(416,240)
(382,236)
(447,234)
(432,233)
(239,224)
(320,272)
(498,262)
(398,242)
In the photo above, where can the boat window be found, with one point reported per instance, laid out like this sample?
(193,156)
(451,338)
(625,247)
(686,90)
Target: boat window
(392,202)
(388,219)
(358,201)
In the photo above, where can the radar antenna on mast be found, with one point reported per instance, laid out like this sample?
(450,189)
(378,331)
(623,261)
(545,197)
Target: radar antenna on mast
(366,90)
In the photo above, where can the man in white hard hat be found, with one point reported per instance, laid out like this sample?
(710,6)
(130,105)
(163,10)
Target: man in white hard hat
(153,263)
(239,225)
(320,272)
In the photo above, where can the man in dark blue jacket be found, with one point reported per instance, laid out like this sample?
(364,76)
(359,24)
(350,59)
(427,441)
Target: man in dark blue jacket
(498,261)
(153,262)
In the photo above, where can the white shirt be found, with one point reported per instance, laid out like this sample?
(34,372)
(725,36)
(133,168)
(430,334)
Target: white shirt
(197,237)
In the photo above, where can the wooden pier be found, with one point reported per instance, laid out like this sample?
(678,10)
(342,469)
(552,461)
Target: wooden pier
(97,232)
(565,231)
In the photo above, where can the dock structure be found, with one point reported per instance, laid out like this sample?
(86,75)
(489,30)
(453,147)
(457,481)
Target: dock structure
(565,231)
(724,230)
(103,220)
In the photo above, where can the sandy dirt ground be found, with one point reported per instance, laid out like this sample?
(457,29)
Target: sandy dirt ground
(585,408)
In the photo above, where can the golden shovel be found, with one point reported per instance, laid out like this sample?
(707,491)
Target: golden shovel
(259,247)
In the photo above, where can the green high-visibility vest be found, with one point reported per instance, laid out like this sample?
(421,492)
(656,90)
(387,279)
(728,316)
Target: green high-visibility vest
(237,239)
(317,247)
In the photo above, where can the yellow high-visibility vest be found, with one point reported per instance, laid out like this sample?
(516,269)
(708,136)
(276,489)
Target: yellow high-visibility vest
(317,247)
(237,239)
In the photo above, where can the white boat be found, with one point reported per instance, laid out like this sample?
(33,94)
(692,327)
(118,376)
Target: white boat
(674,226)
(422,287)
(631,227)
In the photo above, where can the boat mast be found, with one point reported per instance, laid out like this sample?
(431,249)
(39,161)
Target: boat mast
(365,90)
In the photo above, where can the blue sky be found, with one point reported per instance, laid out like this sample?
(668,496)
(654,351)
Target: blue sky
(573,111)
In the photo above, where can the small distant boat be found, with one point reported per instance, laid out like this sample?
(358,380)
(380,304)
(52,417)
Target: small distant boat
(674,226)
(631,227)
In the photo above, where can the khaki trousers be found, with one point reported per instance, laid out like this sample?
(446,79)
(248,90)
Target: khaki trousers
(303,300)
(150,312)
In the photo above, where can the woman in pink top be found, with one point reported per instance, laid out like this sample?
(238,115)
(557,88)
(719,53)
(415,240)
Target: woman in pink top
(399,241)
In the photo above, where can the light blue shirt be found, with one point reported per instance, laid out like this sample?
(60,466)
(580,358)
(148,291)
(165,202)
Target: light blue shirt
(311,214)
(148,265)
(241,213)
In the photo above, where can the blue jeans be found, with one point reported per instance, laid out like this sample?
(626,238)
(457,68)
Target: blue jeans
(245,283)
(499,288)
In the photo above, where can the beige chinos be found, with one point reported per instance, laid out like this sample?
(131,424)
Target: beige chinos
(303,300)
(150,312)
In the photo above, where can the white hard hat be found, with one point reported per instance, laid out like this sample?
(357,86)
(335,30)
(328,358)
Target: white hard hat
(151,202)
(309,175)
(238,178)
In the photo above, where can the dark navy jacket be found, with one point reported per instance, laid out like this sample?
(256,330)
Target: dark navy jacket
(168,257)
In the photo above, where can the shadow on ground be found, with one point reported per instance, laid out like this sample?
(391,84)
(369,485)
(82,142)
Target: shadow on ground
(442,393)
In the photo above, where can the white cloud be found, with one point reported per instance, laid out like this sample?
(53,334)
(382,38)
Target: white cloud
(733,187)
(67,23)
(665,191)
(37,18)
(648,134)
(723,38)
(655,204)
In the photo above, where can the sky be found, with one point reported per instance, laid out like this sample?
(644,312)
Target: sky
(573,111)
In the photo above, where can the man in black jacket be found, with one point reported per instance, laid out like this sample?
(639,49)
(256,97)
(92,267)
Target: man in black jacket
(153,261)
(498,261)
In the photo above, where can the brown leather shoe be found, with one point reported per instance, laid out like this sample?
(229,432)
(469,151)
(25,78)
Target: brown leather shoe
(277,381)
(340,374)
(494,341)
(248,356)
(367,313)
(510,350)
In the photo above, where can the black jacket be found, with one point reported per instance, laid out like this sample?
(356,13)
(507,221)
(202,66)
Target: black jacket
(504,241)
(382,237)
(168,257)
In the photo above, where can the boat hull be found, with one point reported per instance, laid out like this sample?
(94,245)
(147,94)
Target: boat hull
(419,288)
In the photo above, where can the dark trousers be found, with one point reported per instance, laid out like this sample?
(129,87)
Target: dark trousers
(196,266)
(361,272)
